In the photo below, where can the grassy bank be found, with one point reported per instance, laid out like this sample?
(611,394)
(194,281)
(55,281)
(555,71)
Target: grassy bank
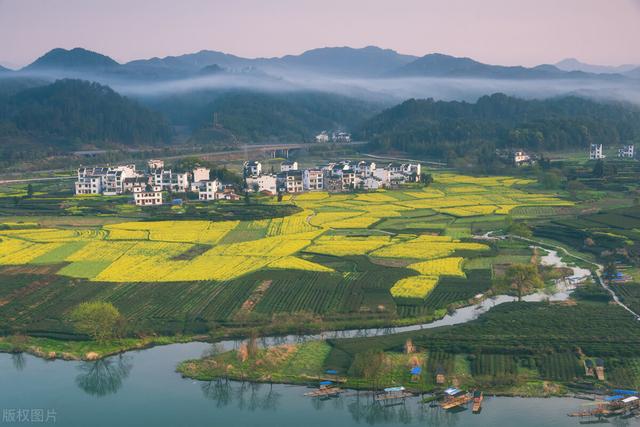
(305,364)
(82,350)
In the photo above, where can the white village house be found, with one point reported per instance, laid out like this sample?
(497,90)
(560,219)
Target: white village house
(339,176)
(147,187)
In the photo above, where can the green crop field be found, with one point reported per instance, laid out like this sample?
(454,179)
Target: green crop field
(339,257)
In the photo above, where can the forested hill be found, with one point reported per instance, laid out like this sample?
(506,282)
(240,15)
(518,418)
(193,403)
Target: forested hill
(449,129)
(71,114)
(254,117)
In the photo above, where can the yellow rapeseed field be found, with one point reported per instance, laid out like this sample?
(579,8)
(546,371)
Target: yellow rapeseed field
(439,267)
(346,245)
(295,263)
(16,252)
(414,287)
(426,247)
(148,251)
(293,224)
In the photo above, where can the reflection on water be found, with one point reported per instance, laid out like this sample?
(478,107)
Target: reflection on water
(360,406)
(104,377)
(19,361)
(246,396)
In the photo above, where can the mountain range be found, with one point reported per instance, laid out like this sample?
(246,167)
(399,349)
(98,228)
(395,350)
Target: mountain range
(367,62)
(572,64)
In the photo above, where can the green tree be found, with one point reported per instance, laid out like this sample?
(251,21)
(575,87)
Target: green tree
(610,271)
(598,169)
(523,278)
(426,179)
(29,191)
(100,320)
(550,180)
(518,228)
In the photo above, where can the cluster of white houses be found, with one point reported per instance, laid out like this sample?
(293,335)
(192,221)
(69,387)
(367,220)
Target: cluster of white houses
(626,151)
(147,186)
(332,177)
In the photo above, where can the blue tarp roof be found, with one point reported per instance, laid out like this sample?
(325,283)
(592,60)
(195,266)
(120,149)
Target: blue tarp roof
(627,392)
(416,370)
(616,397)
(452,390)
(331,371)
(326,382)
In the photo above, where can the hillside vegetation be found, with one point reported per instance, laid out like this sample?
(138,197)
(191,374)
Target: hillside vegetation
(252,116)
(70,114)
(451,129)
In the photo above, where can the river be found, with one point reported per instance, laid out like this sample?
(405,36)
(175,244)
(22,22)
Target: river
(141,388)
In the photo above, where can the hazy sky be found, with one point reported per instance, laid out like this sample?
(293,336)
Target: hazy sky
(527,32)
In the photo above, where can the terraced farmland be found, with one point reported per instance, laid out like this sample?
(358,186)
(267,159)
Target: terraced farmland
(398,253)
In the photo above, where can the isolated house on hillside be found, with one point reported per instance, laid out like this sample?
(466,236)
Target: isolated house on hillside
(595,152)
(322,137)
(627,151)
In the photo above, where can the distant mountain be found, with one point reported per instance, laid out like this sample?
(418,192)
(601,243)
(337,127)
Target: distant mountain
(634,74)
(347,61)
(364,62)
(368,61)
(69,114)
(212,69)
(4,70)
(183,65)
(572,64)
(77,59)
(440,65)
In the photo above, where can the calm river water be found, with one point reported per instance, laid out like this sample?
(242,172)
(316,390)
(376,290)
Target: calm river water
(142,389)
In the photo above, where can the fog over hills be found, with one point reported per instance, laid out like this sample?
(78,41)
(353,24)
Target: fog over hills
(370,73)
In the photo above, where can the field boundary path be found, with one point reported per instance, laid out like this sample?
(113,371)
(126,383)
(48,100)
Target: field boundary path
(431,162)
(597,271)
(18,181)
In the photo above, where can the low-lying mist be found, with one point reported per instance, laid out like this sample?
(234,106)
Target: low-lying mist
(381,90)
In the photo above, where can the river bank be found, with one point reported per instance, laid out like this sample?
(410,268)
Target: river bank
(142,388)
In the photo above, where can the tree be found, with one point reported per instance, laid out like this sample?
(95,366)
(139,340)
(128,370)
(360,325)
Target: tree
(598,169)
(29,191)
(100,320)
(550,180)
(523,278)
(426,179)
(518,228)
(610,271)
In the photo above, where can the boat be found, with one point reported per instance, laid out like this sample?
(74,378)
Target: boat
(455,398)
(477,401)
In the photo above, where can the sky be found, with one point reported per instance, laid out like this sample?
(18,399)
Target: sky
(507,32)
